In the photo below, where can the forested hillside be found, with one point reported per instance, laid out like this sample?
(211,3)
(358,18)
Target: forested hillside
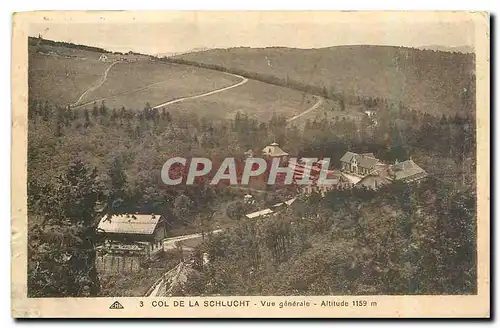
(80,160)
(399,240)
(435,82)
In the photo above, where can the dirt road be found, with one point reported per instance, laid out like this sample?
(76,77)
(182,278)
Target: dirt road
(78,103)
(169,243)
(243,81)
(95,86)
(316,105)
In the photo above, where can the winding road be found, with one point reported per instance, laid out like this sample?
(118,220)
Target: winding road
(170,243)
(243,81)
(101,81)
(119,94)
(96,85)
(316,105)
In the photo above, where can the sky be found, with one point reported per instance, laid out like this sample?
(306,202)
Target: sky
(186,31)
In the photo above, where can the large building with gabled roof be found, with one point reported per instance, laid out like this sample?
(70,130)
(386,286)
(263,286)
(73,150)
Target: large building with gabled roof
(358,164)
(364,170)
(133,233)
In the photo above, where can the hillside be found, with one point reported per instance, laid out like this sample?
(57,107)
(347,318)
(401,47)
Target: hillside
(424,80)
(65,74)
(60,74)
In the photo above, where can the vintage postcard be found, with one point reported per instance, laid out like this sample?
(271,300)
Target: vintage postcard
(250,164)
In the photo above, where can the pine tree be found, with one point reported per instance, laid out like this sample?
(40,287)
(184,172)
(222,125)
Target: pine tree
(95,110)
(118,187)
(87,118)
(103,110)
(67,259)
(81,193)
(324,92)
(342,104)
(47,111)
(114,115)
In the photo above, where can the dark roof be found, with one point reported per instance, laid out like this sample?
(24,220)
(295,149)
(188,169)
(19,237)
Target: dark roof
(364,160)
(407,169)
(348,157)
(381,180)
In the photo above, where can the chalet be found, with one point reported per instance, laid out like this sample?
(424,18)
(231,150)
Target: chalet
(274,151)
(408,171)
(133,234)
(103,58)
(358,164)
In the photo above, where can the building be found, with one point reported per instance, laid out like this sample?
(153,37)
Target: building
(259,214)
(315,186)
(103,58)
(383,174)
(274,151)
(133,234)
(358,164)
(380,176)
(271,210)
(408,171)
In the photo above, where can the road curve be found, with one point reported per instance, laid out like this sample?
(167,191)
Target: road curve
(316,105)
(170,243)
(119,94)
(243,81)
(96,85)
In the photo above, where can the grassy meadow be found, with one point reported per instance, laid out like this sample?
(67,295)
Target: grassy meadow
(256,99)
(131,85)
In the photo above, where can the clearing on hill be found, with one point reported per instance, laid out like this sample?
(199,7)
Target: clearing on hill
(85,77)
